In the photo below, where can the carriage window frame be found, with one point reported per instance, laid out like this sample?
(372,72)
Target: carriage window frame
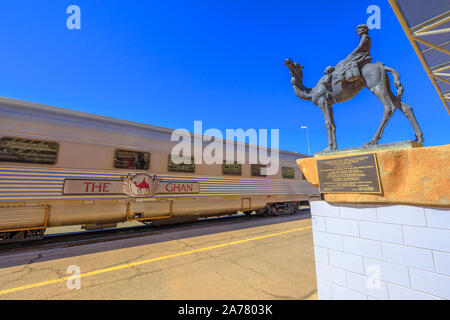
(33,140)
(259,166)
(229,173)
(173,169)
(284,175)
(121,168)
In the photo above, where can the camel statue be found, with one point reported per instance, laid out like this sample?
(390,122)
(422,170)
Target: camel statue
(348,78)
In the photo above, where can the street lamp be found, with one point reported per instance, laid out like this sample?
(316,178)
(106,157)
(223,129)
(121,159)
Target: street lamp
(307,138)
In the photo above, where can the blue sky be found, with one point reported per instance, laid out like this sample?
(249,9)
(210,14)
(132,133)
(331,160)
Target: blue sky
(170,63)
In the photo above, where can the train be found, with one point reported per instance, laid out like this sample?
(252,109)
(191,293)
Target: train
(60,167)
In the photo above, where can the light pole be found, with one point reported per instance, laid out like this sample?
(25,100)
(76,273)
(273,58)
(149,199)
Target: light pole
(307,138)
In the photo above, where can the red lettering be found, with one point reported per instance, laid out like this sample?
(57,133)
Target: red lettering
(97,187)
(87,186)
(106,187)
(179,187)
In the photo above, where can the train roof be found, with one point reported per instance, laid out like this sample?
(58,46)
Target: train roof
(82,117)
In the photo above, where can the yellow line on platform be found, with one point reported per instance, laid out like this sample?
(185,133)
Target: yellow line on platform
(133,264)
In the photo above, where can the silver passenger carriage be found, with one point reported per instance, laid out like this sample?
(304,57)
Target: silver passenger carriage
(48,154)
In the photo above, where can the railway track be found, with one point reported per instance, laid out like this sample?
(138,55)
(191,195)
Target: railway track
(74,239)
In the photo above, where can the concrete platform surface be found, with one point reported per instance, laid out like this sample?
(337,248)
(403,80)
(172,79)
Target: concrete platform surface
(258,258)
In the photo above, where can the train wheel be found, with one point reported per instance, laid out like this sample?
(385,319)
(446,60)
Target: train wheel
(292,208)
(16,236)
(264,212)
(12,236)
(34,234)
(274,211)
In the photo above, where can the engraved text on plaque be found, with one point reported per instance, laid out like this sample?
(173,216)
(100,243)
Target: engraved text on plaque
(354,174)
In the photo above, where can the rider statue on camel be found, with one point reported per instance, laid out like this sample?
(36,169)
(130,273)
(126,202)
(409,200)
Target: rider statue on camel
(344,81)
(347,69)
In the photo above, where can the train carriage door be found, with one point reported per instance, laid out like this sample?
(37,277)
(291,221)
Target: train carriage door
(246,204)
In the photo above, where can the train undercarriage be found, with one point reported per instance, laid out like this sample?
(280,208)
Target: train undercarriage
(281,208)
(271,209)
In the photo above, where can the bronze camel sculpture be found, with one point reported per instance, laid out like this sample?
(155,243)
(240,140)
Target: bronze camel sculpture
(346,80)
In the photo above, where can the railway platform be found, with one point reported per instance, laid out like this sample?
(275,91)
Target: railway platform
(234,258)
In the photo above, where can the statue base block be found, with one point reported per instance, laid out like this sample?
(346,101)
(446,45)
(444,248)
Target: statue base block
(408,175)
(394,245)
(387,252)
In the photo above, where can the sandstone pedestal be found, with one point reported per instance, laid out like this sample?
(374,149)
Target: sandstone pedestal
(393,245)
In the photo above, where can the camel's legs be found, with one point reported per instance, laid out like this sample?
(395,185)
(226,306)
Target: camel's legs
(408,112)
(329,124)
(389,107)
(333,127)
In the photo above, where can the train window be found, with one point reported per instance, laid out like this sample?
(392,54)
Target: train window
(256,170)
(184,166)
(125,159)
(28,151)
(287,172)
(234,169)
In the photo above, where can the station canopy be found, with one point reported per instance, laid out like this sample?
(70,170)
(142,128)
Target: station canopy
(427,25)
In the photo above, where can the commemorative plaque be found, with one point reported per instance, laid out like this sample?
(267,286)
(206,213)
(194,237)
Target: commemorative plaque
(353,174)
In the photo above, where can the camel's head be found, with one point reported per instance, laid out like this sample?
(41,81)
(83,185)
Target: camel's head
(295,69)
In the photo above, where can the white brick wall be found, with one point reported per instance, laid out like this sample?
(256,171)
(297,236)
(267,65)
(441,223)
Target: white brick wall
(327,240)
(381,231)
(367,285)
(332,274)
(324,289)
(389,272)
(321,255)
(325,209)
(381,252)
(437,218)
(341,226)
(362,247)
(442,261)
(404,215)
(409,256)
(433,283)
(318,223)
(346,261)
(402,293)
(341,293)
(355,213)
(431,238)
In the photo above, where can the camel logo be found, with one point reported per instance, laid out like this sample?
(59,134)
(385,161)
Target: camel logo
(140,185)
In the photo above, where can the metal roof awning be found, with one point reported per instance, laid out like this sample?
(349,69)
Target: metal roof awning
(427,26)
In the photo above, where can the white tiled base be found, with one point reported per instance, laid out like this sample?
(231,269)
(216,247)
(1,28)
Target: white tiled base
(381,252)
